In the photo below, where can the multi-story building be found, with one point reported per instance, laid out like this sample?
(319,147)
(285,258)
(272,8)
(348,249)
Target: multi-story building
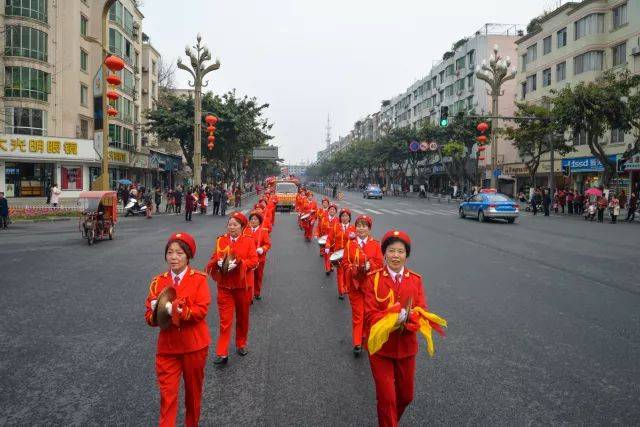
(51,99)
(576,43)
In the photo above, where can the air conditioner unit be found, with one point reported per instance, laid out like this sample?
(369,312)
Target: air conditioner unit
(635,51)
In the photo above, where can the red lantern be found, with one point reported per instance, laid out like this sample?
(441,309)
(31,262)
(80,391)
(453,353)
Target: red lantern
(211,120)
(211,139)
(211,129)
(113,79)
(210,146)
(481,158)
(482,127)
(112,112)
(114,63)
(481,139)
(112,95)
(482,148)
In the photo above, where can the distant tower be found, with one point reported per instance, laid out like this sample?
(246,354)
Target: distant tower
(328,132)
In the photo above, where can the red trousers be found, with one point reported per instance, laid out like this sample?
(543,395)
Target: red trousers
(394,380)
(307,226)
(230,301)
(327,263)
(258,274)
(356,298)
(169,368)
(340,280)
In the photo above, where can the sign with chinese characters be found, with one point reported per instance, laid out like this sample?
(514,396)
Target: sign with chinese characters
(118,156)
(46,148)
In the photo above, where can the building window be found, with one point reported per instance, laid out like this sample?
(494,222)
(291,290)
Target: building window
(523,61)
(590,24)
(546,77)
(34,9)
(617,136)
(532,53)
(128,85)
(562,37)
(470,83)
(155,95)
(580,138)
(24,82)
(523,90)
(472,58)
(619,15)
(26,42)
(115,13)
(460,63)
(84,60)
(546,45)
(620,54)
(561,71)
(115,42)
(115,135)
(128,22)
(153,67)
(532,83)
(588,61)
(25,121)
(84,22)
(84,128)
(84,95)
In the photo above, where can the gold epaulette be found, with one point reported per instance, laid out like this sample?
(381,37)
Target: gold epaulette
(194,271)
(406,273)
(374,271)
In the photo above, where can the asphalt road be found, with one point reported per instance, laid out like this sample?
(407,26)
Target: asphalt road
(544,325)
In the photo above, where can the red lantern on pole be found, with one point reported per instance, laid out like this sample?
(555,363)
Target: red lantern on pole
(210,146)
(113,79)
(482,148)
(112,112)
(114,63)
(211,129)
(481,158)
(112,95)
(482,127)
(481,139)
(211,138)
(211,120)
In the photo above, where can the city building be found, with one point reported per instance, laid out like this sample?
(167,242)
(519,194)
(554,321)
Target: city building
(52,96)
(576,43)
(295,170)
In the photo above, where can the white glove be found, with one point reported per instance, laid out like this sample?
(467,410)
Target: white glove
(326,251)
(154,302)
(232,265)
(402,316)
(260,251)
(367,266)
(179,310)
(169,306)
(220,263)
(352,235)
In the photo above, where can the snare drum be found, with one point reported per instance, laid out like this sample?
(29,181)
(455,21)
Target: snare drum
(305,216)
(336,257)
(322,240)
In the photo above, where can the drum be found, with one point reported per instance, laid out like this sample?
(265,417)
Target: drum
(336,257)
(322,240)
(305,216)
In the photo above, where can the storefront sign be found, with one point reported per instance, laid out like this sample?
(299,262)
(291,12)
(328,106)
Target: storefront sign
(118,156)
(515,169)
(46,148)
(633,163)
(586,164)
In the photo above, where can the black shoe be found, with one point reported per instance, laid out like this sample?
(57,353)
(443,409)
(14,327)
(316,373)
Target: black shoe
(220,360)
(258,297)
(242,351)
(327,272)
(341,296)
(357,350)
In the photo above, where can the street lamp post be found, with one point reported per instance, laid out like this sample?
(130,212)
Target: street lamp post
(495,74)
(198,71)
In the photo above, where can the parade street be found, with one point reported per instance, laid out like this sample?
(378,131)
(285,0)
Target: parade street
(544,325)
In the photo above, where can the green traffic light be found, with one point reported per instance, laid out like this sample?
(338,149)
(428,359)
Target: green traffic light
(444,123)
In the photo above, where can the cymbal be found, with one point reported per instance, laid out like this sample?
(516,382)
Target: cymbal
(161,315)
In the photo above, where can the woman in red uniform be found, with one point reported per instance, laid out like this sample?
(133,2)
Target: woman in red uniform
(321,223)
(183,347)
(339,234)
(261,237)
(361,255)
(324,229)
(311,208)
(234,285)
(387,289)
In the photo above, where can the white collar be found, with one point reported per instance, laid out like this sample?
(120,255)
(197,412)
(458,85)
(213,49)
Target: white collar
(254,229)
(233,239)
(179,276)
(393,274)
(363,241)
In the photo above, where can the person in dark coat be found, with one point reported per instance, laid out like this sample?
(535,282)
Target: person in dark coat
(189,205)
(216,195)
(546,202)
(633,205)
(177,195)
(4,211)
(224,199)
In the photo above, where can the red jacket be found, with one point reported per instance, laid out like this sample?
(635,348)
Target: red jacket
(262,240)
(189,203)
(244,250)
(338,237)
(189,331)
(355,259)
(402,343)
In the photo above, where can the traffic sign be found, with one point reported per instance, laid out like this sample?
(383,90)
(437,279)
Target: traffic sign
(433,146)
(414,146)
(497,173)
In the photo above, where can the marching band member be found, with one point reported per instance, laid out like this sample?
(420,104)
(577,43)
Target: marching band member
(324,229)
(339,234)
(231,266)
(183,346)
(266,222)
(321,214)
(261,237)
(272,202)
(361,255)
(395,303)
(311,208)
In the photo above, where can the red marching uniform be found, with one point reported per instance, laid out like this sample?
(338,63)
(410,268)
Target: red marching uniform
(234,288)
(325,225)
(182,349)
(356,254)
(311,207)
(262,240)
(393,366)
(338,238)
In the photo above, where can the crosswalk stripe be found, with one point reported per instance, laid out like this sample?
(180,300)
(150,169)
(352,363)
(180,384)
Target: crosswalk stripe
(388,211)
(417,211)
(423,212)
(373,211)
(440,213)
(406,212)
(358,211)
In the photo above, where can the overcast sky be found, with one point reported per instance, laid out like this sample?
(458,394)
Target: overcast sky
(310,58)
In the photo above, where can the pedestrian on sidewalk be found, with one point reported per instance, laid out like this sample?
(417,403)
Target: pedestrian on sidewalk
(215,198)
(4,211)
(238,197)
(546,201)
(183,341)
(536,200)
(188,205)
(224,200)
(178,199)
(157,199)
(570,197)
(614,208)
(55,195)
(578,204)
(602,204)
(632,206)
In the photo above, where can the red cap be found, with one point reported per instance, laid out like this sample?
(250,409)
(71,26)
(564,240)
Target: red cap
(326,199)
(257,213)
(345,210)
(241,218)
(366,219)
(186,238)
(396,233)
(309,194)
(333,205)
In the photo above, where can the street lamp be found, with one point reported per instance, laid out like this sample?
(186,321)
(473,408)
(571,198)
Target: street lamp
(198,71)
(495,74)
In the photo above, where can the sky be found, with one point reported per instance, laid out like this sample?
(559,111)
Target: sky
(310,59)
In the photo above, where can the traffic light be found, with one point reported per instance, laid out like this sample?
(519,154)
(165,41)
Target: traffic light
(444,116)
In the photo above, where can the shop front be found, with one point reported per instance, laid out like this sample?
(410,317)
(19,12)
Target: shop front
(30,165)
(118,166)
(166,165)
(438,181)
(586,172)
(632,170)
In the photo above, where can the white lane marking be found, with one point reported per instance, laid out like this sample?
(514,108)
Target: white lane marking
(373,211)
(422,212)
(403,203)
(439,213)
(446,212)
(406,212)
(388,211)
(358,211)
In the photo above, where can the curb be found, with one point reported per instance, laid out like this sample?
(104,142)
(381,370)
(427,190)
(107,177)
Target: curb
(30,221)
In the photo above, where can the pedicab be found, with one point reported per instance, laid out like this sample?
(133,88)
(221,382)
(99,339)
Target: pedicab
(98,214)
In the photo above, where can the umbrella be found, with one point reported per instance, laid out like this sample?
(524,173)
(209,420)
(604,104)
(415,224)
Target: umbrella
(593,191)
(125,181)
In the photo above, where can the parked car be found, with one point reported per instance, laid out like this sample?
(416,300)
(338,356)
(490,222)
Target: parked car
(490,204)
(372,191)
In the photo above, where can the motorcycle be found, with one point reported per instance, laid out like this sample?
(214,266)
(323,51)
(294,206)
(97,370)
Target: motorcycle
(590,212)
(133,208)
